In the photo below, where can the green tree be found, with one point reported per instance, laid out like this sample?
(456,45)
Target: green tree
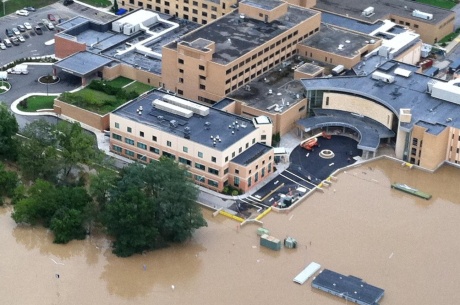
(151,206)
(8,183)
(77,147)
(38,157)
(8,129)
(115,6)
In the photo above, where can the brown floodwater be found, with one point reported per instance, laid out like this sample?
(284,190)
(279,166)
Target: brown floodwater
(359,226)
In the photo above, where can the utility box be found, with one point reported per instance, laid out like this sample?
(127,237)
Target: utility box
(270,242)
(262,231)
(290,243)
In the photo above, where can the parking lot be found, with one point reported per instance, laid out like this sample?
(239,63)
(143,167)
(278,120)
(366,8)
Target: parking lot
(34,44)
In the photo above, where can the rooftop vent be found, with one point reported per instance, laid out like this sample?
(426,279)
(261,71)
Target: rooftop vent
(207,125)
(187,132)
(173,123)
(422,15)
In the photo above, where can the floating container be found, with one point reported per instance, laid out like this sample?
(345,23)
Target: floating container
(410,190)
(290,243)
(303,276)
(262,231)
(270,242)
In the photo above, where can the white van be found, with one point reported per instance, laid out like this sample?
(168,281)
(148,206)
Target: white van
(7,42)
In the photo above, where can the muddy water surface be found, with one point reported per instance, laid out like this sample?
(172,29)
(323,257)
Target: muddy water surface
(359,226)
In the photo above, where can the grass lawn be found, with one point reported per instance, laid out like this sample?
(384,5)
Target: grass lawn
(35,103)
(95,98)
(98,3)
(14,5)
(447,4)
(119,82)
(139,87)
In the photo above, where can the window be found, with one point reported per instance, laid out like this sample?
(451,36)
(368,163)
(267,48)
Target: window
(129,129)
(414,141)
(116,136)
(237,171)
(249,181)
(226,171)
(200,154)
(199,178)
(253,140)
(416,26)
(154,150)
(181,70)
(180,60)
(204,5)
(233,155)
(263,137)
(129,141)
(185,149)
(195,11)
(141,134)
(214,159)
(247,145)
(154,138)
(117,148)
(180,92)
(142,157)
(195,3)
(202,77)
(213,16)
(263,172)
(166,3)
(269,167)
(204,14)
(240,150)
(181,80)
(129,153)
(117,125)
(226,159)
(213,171)
(213,8)
(185,161)
(168,143)
(236,181)
(141,145)
(256,177)
(202,87)
(200,166)
(169,155)
(213,183)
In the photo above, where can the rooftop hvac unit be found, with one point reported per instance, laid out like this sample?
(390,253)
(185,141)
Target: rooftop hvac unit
(180,102)
(172,109)
(422,15)
(383,77)
(368,11)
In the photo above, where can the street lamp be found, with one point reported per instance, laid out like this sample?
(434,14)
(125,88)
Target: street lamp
(4,7)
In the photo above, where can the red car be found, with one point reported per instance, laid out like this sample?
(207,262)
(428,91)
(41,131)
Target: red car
(51,17)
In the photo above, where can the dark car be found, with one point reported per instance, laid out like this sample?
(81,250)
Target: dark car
(9,33)
(21,28)
(68,2)
(30,9)
(51,17)
(38,30)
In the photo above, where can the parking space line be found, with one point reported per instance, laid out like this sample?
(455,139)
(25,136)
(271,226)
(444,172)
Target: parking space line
(295,181)
(300,178)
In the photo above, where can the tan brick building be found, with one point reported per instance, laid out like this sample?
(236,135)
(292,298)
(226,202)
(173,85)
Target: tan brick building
(216,147)
(200,11)
(210,62)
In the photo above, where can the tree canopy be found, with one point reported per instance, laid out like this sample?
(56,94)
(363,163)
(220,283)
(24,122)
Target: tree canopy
(8,183)
(151,206)
(8,129)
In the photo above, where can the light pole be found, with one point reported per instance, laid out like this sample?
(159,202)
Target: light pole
(4,6)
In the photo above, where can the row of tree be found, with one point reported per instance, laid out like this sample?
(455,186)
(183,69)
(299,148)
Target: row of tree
(142,207)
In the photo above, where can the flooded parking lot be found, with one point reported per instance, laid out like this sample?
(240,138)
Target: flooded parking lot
(359,226)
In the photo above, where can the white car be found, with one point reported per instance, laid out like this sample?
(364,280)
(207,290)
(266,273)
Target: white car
(16,31)
(2,46)
(27,26)
(21,38)
(22,13)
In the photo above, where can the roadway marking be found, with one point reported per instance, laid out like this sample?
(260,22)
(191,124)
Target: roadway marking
(300,178)
(293,181)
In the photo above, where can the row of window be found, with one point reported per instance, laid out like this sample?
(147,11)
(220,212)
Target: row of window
(169,144)
(236,179)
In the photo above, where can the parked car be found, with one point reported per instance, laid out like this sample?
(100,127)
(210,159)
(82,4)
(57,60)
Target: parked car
(51,17)
(21,28)
(22,13)
(38,30)
(7,42)
(68,2)
(21,38)
(27,26)
(15,31)
(30,9)
(9,33)
(2,46)
(15,41)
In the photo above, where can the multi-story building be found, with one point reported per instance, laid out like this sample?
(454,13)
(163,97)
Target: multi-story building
(220,57)
(200,11)
(430,22)
(218,148)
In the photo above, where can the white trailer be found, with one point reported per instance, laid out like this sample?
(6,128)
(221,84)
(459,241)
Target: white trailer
(19,69)
(383,77)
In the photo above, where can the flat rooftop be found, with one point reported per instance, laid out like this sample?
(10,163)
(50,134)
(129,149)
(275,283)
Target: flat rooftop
(233,38)
(251,154)
(109,43)
(200,128)
(348,287)
(264,4)
(285,93)
(92,13)
(337,41)
(382,9)
(309,68)
(350,24)
(410,92)
(83,63)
